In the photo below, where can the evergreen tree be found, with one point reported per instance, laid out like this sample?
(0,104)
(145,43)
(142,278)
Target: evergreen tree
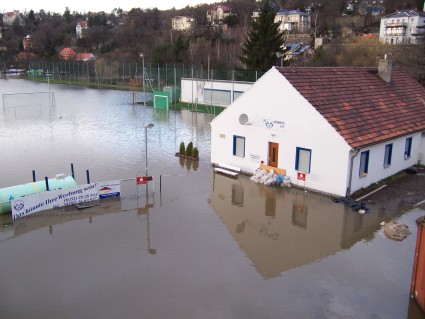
(264,40)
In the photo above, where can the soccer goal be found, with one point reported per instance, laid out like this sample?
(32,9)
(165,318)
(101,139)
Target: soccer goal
(31,104)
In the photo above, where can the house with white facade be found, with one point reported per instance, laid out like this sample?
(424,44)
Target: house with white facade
(340,128)
(293,21)
(401,27)
(182,23)
(10,17)
(218,13)
(80,28)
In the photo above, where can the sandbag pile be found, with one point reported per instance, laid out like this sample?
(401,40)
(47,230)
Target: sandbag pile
(270,178)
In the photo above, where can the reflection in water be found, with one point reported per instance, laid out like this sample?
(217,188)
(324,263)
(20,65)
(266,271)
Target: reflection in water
(270,224)
(299,210)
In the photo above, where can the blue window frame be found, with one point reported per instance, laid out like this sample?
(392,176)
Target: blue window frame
(364,163)
(388,155)
(303,160)
(239,146)
(408,148)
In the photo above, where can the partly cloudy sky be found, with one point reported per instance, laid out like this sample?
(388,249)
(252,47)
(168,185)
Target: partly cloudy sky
(95,6)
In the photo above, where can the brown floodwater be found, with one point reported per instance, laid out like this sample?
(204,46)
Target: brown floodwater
(205,246)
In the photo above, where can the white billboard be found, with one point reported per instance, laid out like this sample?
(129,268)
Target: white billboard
(51,199)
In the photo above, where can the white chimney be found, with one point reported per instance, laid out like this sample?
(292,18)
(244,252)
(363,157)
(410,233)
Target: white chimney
(385,66)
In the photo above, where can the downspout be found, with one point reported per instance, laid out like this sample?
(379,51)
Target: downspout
(354,153)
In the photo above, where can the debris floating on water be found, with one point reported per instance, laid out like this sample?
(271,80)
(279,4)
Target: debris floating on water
(396,231)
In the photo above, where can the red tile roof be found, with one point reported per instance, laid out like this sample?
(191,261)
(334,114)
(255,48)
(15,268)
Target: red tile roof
(67,52)
(362,107)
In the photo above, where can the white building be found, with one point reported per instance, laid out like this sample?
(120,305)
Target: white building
(218,93)
(10,17)
(218,13)
(80,29)
(182,23)
(345,128)
(402,27)
(293,21)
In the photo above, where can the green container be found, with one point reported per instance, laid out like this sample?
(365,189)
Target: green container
(12,192)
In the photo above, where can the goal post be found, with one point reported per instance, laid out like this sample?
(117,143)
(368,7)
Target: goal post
(17,100)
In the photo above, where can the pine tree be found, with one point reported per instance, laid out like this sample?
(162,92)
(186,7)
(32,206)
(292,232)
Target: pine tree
(264,40)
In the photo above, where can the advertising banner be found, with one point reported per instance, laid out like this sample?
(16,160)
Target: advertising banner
(109,189)
(51,199)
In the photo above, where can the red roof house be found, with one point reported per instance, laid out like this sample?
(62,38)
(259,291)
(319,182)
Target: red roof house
(342,128)
(67,54)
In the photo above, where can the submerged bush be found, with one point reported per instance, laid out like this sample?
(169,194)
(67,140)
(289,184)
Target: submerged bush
(195,152)
(189,149)
(182,148)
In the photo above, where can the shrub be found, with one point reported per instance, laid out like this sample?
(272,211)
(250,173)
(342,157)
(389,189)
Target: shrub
(195,152)
(189,149)
(182,148)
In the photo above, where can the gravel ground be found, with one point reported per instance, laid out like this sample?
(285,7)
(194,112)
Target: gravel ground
(402,193)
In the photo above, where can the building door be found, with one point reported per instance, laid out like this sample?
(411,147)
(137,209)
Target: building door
(273,152)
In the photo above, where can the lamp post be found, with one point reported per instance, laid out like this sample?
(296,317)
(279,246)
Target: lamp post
(280,55)
(147,125)
(143,75)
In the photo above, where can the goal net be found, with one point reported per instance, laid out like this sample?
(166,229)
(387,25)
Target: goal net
(28,104)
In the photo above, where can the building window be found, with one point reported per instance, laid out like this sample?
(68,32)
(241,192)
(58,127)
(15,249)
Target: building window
(303,160)
(239,146)
(388,154)
(408,148)
(364,163)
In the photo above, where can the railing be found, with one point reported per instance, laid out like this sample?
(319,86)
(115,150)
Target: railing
(395,24)
(395,34)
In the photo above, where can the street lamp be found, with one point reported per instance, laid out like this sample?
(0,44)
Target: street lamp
(280,55)
(147,125)
(143,75)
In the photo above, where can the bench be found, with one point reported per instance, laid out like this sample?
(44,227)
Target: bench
(226,169)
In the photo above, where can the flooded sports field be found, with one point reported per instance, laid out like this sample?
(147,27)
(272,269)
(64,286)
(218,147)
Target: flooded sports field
(194,244)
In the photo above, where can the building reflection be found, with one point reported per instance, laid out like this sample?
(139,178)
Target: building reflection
(280,229)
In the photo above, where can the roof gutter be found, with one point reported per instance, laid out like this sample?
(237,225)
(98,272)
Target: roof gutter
(354,152)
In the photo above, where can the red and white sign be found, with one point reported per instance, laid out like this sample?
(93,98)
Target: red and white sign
(301,176)
(142,179)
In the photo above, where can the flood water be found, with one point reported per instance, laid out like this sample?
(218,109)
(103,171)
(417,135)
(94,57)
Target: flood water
(206,246)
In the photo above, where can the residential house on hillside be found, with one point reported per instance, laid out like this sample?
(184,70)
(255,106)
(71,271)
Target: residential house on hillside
(182,23)
(341,128)
(27,42)
(298,52)
(84,57)
(402,27)
(10,17)
(217,14)
(67,54)
(80,27)
(372,7)
(293,21)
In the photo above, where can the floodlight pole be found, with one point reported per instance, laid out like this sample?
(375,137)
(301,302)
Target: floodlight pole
(147,125)
(143,72)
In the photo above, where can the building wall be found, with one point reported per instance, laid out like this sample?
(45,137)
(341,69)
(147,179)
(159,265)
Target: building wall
(376,169)
(220,93)
(273,99)
(400,34)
